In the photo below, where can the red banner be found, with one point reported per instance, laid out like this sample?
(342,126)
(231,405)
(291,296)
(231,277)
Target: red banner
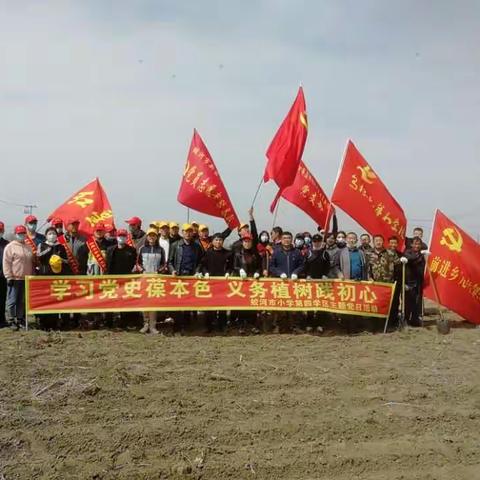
(286,150)
(89,206)
(202,188)
(307,195)
(123,293)
(454,264)
(360,193)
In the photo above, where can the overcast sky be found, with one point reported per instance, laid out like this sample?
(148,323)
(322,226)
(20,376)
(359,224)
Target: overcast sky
(114,89)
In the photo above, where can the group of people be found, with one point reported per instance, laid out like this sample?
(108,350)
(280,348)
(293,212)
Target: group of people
(164,248)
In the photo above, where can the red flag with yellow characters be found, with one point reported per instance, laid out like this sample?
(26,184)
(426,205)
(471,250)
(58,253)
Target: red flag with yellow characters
(306,194)
(286,150)
(360,193)
(454,265)
(202,188)
(89,206)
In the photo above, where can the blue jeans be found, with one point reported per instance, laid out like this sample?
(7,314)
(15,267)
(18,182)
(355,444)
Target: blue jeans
(16,300)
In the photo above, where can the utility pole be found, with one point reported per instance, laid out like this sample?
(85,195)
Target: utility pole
(28,209)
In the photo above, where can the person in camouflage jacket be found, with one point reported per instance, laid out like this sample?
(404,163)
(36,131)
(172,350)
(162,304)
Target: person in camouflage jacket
(381,262)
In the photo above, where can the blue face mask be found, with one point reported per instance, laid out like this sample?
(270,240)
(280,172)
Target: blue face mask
(32,227)
(121,240)
(308,240)
(20,237)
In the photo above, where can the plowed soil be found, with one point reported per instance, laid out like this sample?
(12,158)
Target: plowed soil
(119,405)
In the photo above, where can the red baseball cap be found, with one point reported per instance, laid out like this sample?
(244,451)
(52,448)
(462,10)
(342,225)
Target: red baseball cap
(56,221)
(20,229)
(134,221)
(122,233)
(2,226)
(99,227)
(31,219)
(246,236)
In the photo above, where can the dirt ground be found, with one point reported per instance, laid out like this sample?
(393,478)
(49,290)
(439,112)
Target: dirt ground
(118,405)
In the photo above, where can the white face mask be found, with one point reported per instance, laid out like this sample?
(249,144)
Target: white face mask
(20,237)
(299,242)
(52,238)
(121,240)
(32,227)
(264,238)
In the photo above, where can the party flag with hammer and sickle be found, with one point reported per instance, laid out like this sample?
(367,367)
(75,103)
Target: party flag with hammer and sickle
(360,192)
(453,269)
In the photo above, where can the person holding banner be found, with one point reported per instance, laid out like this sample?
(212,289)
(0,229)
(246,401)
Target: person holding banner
(18,262)
(52,260)
(246,264)
(414,260)
(216,262)
(184,258)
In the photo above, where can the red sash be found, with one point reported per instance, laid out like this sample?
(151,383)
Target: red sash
(130,242)
(72,261)
(97,253)
(31,244)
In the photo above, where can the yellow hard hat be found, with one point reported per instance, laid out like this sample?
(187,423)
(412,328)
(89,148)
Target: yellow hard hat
(55,263)
(152,231)
(174,225)
(202,227)
(243,225)
(162,224)
(194,223)
(187,226)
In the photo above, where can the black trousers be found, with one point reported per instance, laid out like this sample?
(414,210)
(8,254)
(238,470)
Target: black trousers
(3,299)
(412,306)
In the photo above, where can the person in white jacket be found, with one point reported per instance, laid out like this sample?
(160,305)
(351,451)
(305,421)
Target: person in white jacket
(18,262)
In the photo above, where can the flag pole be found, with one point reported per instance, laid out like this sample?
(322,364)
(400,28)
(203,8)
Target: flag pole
(435,291)
(188,215)
(275,213)
(258,190)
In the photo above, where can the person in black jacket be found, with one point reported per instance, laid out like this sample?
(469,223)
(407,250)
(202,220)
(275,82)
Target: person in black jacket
(216,262)
(247,263)
(3,280)
(317,262)
(414,260)
(51,260)
(121,257)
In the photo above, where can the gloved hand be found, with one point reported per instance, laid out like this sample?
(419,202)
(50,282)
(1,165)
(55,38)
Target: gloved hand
(404,260)
(324,277)
(243,274)
(198,275)
(294,276)
(206,276)
(10,282)
(426,252)
(256,275)
(227,275)
(309,277)
(283,276)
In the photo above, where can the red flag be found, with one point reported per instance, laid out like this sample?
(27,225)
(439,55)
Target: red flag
(306,194)
(286,150)
(360,193)
(454,264)
(89,206)
(202,188)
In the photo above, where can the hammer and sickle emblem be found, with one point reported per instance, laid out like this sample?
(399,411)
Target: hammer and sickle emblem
(303,119)
(452,239)
(368,175)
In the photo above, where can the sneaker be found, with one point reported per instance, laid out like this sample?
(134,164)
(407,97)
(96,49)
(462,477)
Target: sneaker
(145,328)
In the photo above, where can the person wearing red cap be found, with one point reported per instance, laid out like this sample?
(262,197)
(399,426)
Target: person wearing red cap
(110,234)
(92,255)
(3,280)
(121,257)
(57,224)
(246,228)
(72,238)
(18,262)
(33,238)
(137,235)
